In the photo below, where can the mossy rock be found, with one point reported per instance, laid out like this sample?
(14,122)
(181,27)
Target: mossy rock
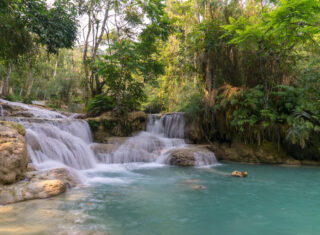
(16,126)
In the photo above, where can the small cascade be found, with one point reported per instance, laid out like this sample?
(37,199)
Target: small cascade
(169,125)
(1,111)
(163,133)
(64,142)
(52,137)
(32,111)
(205,158)
(145,147)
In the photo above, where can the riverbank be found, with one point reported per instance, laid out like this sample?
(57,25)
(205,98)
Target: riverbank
(266,153)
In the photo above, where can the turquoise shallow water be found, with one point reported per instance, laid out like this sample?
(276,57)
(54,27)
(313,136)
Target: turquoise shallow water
(161,201)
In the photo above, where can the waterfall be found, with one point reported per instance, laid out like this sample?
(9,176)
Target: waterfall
(144,147)
(65,142)
(169,125)
(55,140)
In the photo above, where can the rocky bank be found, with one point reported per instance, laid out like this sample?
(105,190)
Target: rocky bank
(19,181)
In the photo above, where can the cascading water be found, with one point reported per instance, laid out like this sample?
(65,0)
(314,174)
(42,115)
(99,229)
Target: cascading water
(167,125)
(55,140)
(1,111)
(65,142)
(163,134)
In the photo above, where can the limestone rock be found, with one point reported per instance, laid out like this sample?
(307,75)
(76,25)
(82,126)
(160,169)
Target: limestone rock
(239,152)
(239,174)
(13,153)
(39,185)
(112,124)
(182,157)
(198,187)
(191,156)
(31,167)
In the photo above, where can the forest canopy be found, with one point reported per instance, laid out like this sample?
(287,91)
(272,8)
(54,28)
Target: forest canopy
(252,66)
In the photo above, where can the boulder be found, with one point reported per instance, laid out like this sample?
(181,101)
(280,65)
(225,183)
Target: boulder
(191,156)
(239,174)
(13,153)
(182,157)
(38,185)
(31,190)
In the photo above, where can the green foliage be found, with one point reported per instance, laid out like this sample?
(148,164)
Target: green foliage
(193,106)
(27,100)
(296,107)
(93,125)
(55,27)
(26,22)
(99,104)
(108,125)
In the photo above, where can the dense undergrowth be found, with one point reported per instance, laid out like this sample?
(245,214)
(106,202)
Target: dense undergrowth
(288,115)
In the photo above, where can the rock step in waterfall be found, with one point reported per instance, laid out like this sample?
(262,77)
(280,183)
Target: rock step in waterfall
(54,140)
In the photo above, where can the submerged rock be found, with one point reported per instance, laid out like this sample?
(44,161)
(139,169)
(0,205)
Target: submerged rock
(198,187)
(82,233)
(191,156)
(239,174)
(13,152)
(39,185)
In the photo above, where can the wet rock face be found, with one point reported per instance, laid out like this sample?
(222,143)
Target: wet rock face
(110,124)
(14,111)
(39,185)
(13,153)
(191,156)
(239,152)
(182,157)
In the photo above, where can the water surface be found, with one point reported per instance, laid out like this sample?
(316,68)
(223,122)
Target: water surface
(138,199)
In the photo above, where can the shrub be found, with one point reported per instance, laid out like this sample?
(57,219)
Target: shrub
(99,104)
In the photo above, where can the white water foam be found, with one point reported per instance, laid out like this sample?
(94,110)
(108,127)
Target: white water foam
(53,140)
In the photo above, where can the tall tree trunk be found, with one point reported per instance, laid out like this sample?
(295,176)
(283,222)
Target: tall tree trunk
(85,56)
(21,90)
(1,87)
(5,88)
(28,77)
(55,69)
(119,88)
(97,39)
(30,87)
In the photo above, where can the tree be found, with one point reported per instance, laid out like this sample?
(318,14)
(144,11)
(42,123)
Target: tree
(131,55)
(28,24)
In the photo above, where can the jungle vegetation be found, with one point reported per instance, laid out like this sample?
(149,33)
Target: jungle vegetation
(244,68)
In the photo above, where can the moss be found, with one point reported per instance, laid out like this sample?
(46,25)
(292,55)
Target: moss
(273,149)
(93,125)
(109,125)
(16,126)
(127,127)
